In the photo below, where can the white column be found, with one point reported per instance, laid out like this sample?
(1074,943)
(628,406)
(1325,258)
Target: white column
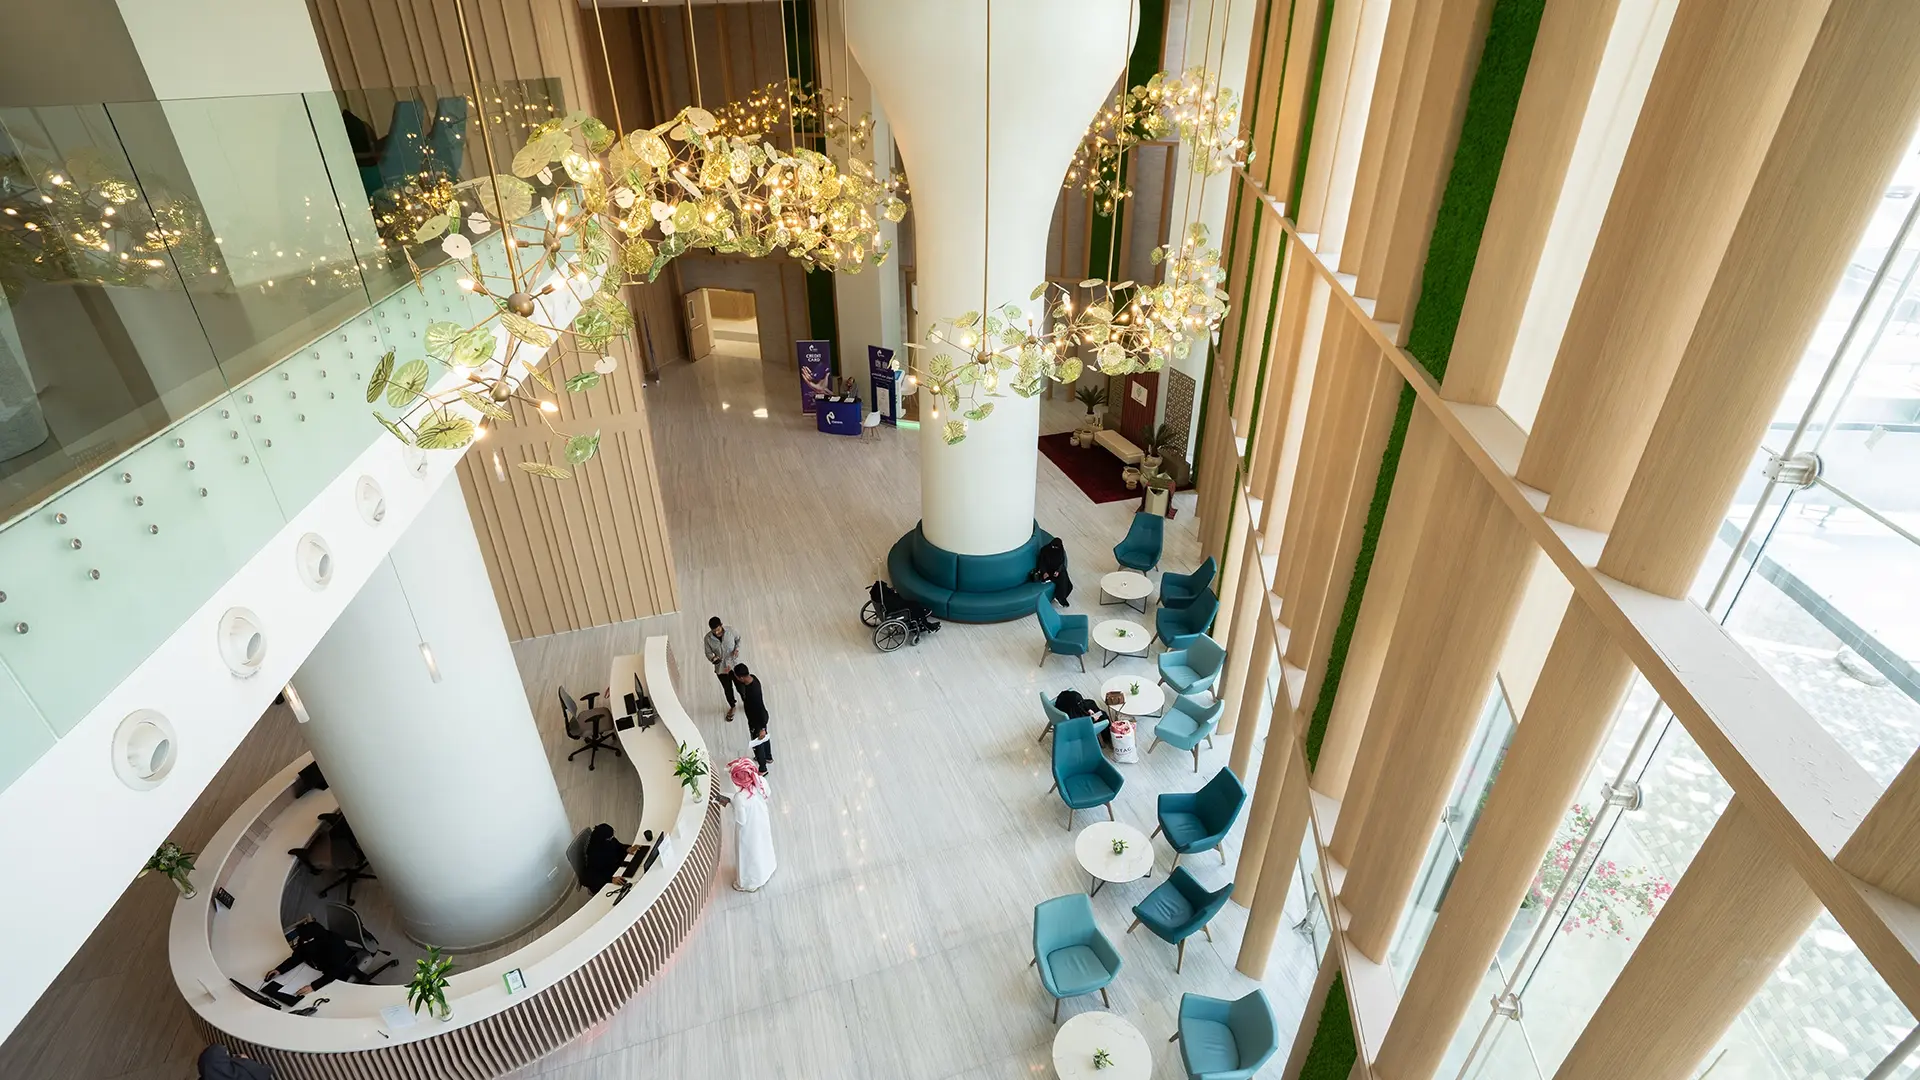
(446,782)
(1054,63)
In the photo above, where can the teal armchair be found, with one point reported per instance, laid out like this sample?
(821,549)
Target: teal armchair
(1187,723)
(1081,773)
(1073,956)
(1197,821)
(1179,907)
(1140,548)
(1055,717)
(1194,668)
(1179,590)
(1173,623)
(1065,634)
(1226,1040)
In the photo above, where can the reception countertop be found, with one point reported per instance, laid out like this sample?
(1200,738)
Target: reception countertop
(576,973)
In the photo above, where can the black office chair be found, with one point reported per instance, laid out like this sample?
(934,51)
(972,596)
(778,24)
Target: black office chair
(583,726)
(346,922)
(577,857)
(345,856)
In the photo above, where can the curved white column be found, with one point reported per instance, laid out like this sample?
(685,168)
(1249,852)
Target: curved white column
(446,783)
(1054,63)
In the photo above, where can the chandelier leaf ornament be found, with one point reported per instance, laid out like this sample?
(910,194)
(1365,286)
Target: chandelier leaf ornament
(1115,328)
(586,211)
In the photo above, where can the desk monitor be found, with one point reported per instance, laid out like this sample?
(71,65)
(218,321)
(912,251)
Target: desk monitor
(256,995)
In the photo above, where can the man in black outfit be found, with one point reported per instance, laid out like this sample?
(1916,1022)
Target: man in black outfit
(756,706)
(218,1063)
(321,949)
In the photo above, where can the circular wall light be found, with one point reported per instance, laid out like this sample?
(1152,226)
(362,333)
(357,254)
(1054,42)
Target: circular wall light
(314,560)
(416,462)
(243,644)
(371,501)
(144,749)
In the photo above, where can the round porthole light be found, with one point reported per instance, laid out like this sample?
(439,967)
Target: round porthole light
(144,749)
(371,500)
(243,644)
(314,559)
(416,462)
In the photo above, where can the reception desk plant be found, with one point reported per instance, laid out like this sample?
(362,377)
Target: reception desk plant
(177,864)
(691,771)
(428,987)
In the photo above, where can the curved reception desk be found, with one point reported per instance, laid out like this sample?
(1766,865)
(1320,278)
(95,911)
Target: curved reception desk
(575,975)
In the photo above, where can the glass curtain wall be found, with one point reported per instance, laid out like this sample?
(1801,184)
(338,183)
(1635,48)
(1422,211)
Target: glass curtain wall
(1815,572)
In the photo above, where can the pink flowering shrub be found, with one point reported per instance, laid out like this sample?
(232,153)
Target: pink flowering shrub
(1611,891)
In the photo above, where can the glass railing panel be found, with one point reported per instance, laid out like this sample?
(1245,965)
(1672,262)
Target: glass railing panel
(24,734)
(96,579)
(252,220)
(99,346)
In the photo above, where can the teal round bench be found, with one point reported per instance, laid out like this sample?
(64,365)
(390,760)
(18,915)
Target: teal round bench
(967,588)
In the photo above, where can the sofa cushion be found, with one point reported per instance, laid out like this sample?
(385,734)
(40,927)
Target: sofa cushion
(1077,970)
(1005,570)
(1182,828)
(909,581)
(1119,446)
(999,606)
(938,565)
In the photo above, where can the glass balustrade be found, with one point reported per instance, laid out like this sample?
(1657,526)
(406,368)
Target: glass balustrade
(192,295)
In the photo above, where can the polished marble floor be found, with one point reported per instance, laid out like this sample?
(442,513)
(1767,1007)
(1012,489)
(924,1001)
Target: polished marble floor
(912,820)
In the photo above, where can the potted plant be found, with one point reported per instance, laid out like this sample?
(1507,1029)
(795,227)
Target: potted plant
(1119,845)
(1153,440)
(177,864)
(428,987)
(1092,395)
(1102,1059)
(691,771)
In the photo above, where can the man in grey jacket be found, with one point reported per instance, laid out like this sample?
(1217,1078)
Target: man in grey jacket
(723,651)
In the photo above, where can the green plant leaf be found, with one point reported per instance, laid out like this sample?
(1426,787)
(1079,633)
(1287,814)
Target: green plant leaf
(442,337)
(408,382)
(586,380)
(474,348)
(1039,291)
(486,406)
(394,429)
(581,448)
(525,329)
(953,432)
(981,413)
(378,381)
(541,468)
(541,378)
(967,320)
(431,228)
(442,430)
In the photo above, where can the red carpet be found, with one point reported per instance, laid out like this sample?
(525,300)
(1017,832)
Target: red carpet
(1095,471)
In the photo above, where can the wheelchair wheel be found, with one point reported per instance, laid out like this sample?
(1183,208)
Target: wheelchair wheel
(890,635)
(870,614)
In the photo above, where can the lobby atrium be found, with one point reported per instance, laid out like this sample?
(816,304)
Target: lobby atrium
(1098,539)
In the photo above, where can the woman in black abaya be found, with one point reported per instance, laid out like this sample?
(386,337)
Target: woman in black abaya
(1051,565)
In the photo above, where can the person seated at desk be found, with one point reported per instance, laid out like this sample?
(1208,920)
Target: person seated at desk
(218,1063)
(604,856)
(321,949)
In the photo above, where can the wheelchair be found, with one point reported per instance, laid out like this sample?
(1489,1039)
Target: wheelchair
(896,620)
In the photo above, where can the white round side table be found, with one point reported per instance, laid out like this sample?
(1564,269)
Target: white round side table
(1121,637)
(1075,1044)
(1094,848)
(1126,586)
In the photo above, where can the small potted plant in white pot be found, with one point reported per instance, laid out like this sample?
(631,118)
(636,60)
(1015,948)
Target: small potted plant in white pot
(177,864)
(691,772)
(428,987)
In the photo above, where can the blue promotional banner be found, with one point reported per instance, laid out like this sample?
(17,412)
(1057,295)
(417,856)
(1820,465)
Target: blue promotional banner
(816,371)
(886,384)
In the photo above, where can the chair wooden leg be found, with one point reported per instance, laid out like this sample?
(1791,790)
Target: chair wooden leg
(1104,1000)
(1110,816)
(1033,962)
(1156,831)
(1180,958)
(1196,759)
(1056,1010)
(1044,650)
(1209,742)
(1154,743)
(1207,930)
(1135,926)
(1222,852)
(1176,861)
(1175,1037)
(1054,788)
(1044,731)
(1069,819)
(1083,663)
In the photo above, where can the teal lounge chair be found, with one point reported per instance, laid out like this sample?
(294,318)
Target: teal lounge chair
(1197,821)
(1173,625)
(1194,668)
(1179,590)
(1065,634)
(1189,721)
(1055,716)
(1140,548)
(1179,907)
(1073,956)
(1081,773)
(1226,1040)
